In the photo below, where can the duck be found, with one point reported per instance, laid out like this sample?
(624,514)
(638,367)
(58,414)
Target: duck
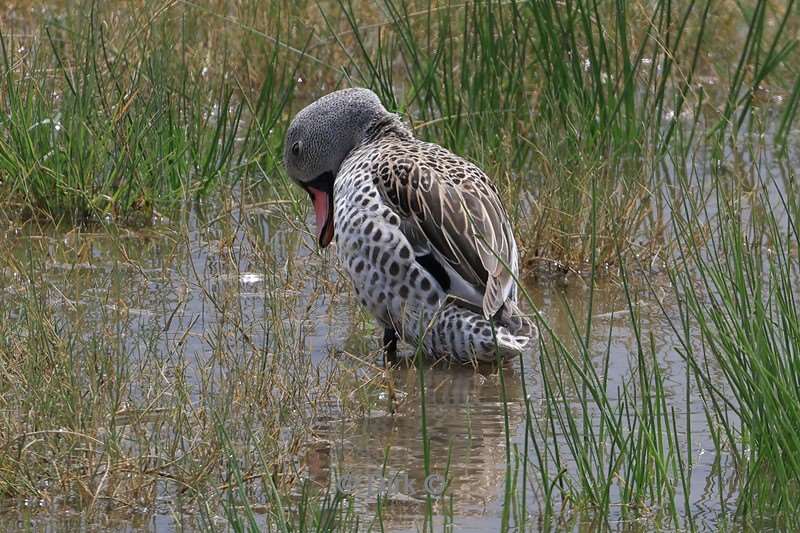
(421,232)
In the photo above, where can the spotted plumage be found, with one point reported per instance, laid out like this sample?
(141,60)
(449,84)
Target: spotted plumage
(420,231)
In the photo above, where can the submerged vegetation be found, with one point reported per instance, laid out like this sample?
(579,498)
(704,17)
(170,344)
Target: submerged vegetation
(171,346)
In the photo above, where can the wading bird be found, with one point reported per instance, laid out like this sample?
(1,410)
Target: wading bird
(421,232)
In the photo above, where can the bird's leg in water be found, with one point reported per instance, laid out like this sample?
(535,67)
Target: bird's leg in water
(389,346)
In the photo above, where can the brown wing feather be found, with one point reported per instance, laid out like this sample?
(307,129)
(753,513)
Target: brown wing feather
(459,212)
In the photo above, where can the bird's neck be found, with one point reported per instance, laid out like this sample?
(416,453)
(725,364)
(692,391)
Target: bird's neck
(387,124)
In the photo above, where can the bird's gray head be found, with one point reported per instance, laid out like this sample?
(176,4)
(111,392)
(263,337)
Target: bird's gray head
(318,140)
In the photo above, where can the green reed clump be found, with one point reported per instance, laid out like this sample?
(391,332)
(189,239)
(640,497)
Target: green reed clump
(105,113)
(557,99)
(604,451)
(551,99)
(627,451)
(738,290)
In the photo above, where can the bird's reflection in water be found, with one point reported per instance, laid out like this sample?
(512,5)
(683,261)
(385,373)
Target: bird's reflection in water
(383,455)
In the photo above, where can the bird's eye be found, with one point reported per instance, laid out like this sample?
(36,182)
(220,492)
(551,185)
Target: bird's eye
(296,149)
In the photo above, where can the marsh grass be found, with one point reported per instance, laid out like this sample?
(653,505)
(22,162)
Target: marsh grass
(566,98)
(110,114)
(181,98)
(104,411)
(623,135)
(741,297)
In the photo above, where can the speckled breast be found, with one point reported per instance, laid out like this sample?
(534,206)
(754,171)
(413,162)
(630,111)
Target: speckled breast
(370,245)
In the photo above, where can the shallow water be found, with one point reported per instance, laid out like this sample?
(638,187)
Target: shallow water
(176,291)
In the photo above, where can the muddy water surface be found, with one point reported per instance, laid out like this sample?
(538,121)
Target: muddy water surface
(252,278)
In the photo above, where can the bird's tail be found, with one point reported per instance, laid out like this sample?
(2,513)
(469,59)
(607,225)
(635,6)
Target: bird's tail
(464,335)
(510,316)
